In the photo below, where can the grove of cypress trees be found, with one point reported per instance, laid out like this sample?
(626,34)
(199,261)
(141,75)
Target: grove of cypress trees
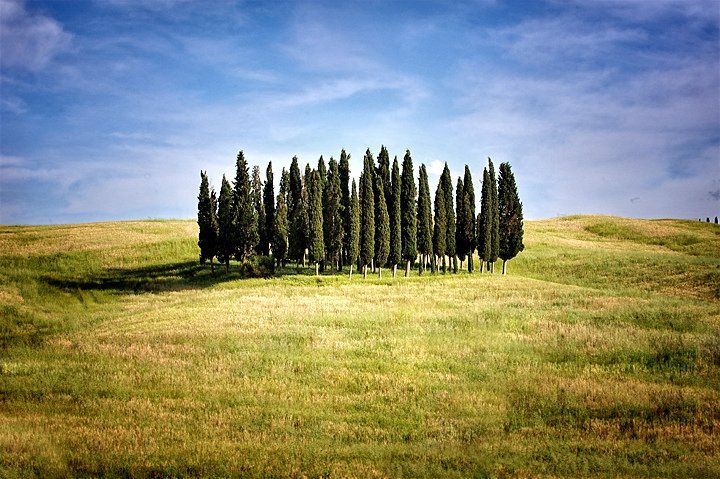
(395,255)
(226,224)
(382,226)
(408,223)
(424,212)
(459,218)
(494,220)
(510,217)
(483,223)
(207,223)
(447,187)
(344,168)
(332,214)
(280,231)
(269,206)
(440,225)
(367,213)
(353,242)
(259,205)
(469,221)
(246,223)
(316,244)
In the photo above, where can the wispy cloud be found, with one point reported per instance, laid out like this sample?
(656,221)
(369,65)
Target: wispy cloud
(29,41)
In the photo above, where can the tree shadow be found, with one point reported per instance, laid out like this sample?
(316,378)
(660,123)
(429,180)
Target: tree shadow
(149,279)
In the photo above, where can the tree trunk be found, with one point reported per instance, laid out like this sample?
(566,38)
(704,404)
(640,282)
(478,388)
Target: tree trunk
(461,264)
(407,269)
(482,265)
(394,270)
(351,270)
(227,266)
(304,253)
(317,268)
(212,267)
(379,272)
(372,264)
(364,271)
(504,266)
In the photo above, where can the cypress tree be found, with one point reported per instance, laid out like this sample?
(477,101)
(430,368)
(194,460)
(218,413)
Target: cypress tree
(494,219)
(316,244)
(367,212)
(382,226)
(226,224)
(425,232)
(469,221)
(269,205)
(280,231)
(395,255)
(408,223)
(510,217)
(446,181)
(716,220)
(322,172)
(459,218)
(354,230)
(383,171)
(246,222)
(440,226)
(483,224)
(205,231)
(296,209)
(259,206)
(344,168)
(285,187)
(332,214)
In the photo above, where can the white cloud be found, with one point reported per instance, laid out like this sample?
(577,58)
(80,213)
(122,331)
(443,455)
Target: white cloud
(29,41)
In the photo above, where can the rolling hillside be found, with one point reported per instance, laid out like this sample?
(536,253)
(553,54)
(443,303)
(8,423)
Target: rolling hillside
(598,355)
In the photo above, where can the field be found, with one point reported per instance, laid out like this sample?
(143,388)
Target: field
(598,355)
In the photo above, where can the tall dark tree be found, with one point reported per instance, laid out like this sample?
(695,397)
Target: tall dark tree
(716,220)
(353,243)
(469,221)
(395,255)
(440,226)
(246,218)
(510,217)
(322,171)
(425,232)
(298,213)
(332,214)
(285,186)
(269,205)
(447,187)
(259,205)
(459,218)
(494,219)
(382,226)
(280,231)
(207,222)
(316,243)
(383,171)
(408,223)
(344,168)
(367,212)
(483,222)
(226,224)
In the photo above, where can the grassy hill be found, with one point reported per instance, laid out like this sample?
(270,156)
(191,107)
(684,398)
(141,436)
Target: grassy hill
(598,355)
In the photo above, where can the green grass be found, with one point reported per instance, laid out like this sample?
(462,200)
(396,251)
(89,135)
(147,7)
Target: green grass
(597,356)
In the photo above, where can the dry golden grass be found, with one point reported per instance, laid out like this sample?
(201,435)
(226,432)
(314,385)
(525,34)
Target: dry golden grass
(599,355)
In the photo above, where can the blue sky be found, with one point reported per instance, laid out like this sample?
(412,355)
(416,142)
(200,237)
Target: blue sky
(109,109)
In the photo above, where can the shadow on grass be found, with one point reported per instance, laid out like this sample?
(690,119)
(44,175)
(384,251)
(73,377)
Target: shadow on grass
(174,277)
(149,279)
